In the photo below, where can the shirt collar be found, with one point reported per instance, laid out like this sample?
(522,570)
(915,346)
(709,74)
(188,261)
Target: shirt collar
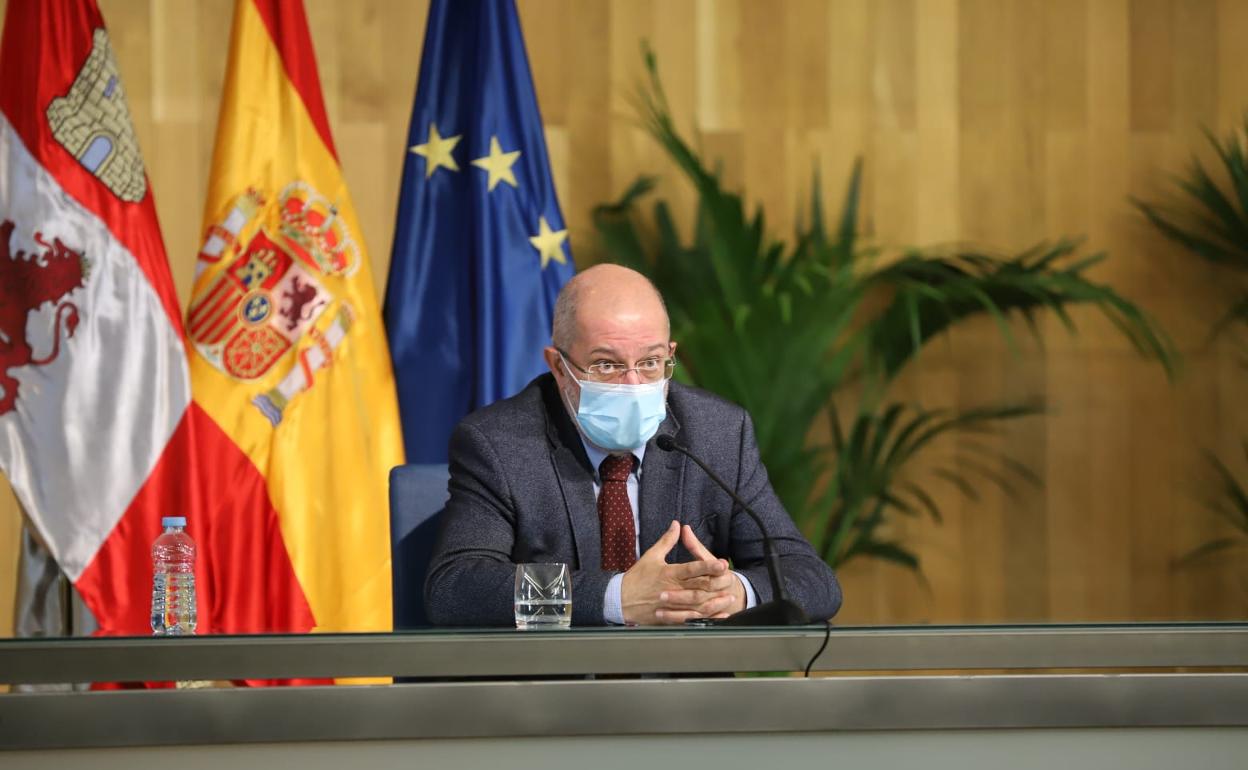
(597,455)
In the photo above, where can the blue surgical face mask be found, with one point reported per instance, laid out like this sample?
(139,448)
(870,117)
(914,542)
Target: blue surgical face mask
(620,417)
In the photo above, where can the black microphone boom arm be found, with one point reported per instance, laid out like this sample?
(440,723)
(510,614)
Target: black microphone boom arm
(780,611)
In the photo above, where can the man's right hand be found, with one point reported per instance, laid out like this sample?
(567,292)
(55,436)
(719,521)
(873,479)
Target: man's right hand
(645,588)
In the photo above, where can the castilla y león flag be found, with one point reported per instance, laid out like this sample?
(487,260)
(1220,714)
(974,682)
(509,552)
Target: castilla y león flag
(288,353)
(99,434)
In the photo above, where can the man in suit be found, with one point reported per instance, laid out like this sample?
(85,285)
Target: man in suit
(568,471)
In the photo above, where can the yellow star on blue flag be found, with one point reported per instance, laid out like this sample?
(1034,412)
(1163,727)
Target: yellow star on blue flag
(549,243)
(498,165)
(436,150)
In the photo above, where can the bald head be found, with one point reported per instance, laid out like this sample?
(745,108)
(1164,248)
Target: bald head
(608,299)
(606,314)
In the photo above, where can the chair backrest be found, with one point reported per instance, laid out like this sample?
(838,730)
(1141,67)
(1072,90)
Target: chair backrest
(418,493)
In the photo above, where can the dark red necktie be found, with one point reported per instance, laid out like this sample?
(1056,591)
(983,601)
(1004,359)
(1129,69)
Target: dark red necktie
(615,514)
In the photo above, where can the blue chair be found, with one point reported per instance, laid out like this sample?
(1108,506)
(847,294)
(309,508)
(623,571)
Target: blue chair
(418,493)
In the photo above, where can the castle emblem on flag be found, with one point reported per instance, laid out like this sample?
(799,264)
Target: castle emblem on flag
(271,305)
(93,123)
(27,282)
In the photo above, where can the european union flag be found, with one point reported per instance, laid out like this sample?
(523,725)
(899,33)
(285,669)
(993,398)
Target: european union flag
(480,248)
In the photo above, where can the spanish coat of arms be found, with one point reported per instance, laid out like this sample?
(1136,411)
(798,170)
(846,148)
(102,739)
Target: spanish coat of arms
(264,309)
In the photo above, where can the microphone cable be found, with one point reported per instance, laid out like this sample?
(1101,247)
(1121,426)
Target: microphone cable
(827,634)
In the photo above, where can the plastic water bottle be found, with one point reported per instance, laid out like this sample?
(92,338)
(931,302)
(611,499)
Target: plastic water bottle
(173,580)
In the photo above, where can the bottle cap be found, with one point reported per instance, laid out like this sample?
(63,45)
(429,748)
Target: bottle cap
(173,521)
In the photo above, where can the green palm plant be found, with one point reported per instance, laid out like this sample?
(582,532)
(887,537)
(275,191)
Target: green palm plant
(779,328)
(1212,223)
(1229,502)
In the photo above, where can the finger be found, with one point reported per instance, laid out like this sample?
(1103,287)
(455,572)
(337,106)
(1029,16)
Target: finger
(709,583)
(675,617)
(717,606)
(694,545)
(694,569)
(686,599)
(666,542)
(721,583)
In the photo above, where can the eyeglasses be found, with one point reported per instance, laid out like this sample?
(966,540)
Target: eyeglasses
(650,369)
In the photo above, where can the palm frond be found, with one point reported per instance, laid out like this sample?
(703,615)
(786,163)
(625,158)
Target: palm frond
(932,293)
(1203,552)
(1235,316)
(1211,221)
(1231,502)
(873,462)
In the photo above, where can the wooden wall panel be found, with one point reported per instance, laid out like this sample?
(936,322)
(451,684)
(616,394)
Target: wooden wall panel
(998,121)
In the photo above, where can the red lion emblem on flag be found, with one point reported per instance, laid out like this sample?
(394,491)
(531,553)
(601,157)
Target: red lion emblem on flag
(27,282)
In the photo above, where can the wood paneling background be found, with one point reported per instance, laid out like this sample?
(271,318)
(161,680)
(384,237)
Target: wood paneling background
(1002,122)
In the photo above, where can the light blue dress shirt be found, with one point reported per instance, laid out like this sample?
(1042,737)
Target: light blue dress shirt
(612,606)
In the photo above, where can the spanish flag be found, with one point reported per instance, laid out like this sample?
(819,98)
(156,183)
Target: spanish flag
(288,353)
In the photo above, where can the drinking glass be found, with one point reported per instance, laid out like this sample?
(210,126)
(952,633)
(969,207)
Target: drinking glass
(543,596)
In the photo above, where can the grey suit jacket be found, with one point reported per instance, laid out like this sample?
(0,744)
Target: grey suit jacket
(522,490)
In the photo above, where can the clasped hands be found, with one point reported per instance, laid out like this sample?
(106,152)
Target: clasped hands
(653,591)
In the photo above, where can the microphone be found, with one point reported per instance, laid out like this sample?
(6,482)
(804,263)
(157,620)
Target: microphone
(780,611)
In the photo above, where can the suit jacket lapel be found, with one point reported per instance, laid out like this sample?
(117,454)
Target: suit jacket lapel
(576,479)
(659,493)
